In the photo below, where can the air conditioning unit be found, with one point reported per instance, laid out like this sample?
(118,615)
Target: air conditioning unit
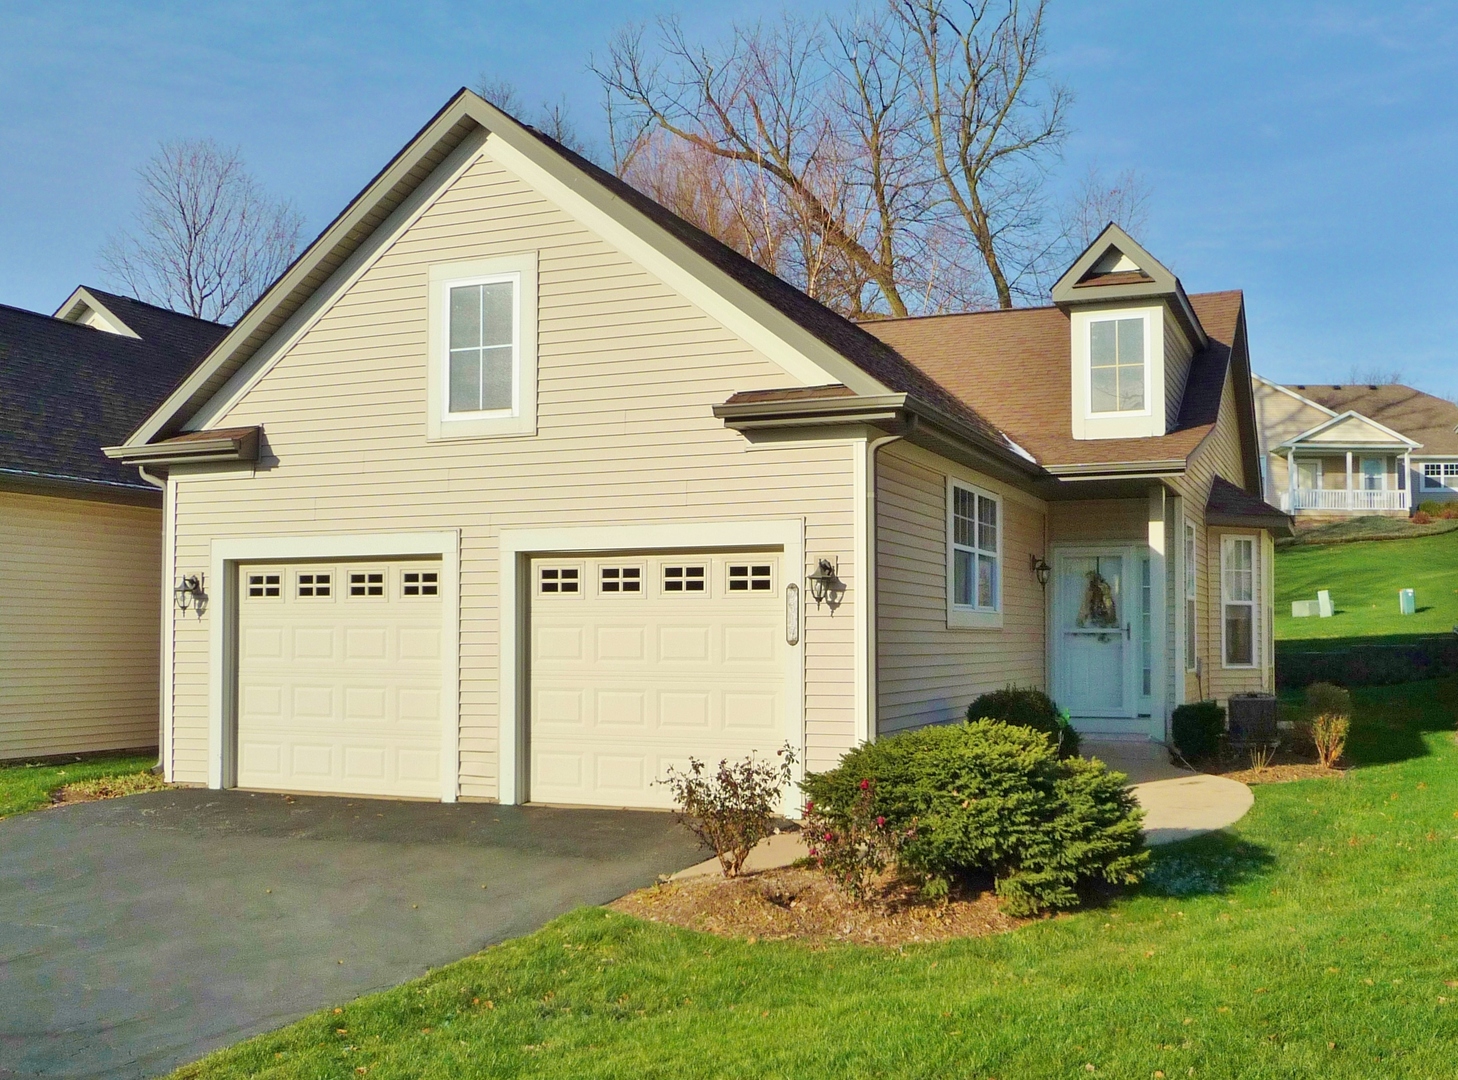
(1252,719)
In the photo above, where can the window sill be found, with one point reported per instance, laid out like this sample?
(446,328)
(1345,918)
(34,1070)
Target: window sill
(958,619)
(495,427)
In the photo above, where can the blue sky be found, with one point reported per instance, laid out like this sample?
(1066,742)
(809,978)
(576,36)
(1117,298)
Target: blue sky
(1303,152)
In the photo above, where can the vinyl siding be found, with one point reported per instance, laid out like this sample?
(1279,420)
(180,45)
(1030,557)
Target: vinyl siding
(628,373)
(1220,455)
(1092,521)
(1177,355)
(926,672)
(80,587)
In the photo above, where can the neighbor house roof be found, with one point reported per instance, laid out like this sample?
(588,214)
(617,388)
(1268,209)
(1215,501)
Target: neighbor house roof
(66,390)
(1423,418)
(1013,367)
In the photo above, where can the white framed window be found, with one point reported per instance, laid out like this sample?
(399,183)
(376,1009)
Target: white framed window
(754,577)
(1440,475)
(265,586)
(366,584)
(1238,593)
(559,581)
(619,580)
(314,584)
(483,348)
(420,583)
(1374,474)
(1118,365)
(681,578)
(974,556)
(1191,622)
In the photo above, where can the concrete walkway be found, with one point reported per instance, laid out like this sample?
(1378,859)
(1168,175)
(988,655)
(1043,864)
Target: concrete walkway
(1178,803)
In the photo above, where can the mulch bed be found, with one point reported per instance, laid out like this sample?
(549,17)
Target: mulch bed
(792,903)
(107,787)
(1284,767)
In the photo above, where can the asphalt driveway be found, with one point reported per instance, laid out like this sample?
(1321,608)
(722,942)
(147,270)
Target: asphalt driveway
(141,933)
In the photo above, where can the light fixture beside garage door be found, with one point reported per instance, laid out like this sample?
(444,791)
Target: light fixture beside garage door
(188,592)
(825,583)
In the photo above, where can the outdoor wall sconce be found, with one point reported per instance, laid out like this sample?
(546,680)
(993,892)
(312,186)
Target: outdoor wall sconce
(824,583)
(1041,570)
(189,592)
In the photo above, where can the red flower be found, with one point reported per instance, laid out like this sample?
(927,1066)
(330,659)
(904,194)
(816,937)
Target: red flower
(809,805)
(880,823)
(829,836)
(865,785)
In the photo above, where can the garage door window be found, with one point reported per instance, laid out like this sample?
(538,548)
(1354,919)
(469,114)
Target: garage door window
(616,580)
(685,579)
(419,583)
(753,577)
(314,585)
(559,580)
(366,583)
(264,586)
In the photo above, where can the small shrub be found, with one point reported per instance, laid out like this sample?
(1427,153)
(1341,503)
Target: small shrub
(1197,728)
(1260,758)
(1422,517)
(1027,707)
(1329,732)
(1327,698)
(1432,507)
(733,808)
(853,846)
(990,797)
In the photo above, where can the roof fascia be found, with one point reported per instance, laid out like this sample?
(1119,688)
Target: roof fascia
(763,326)
(1291,393)
(235,446)
(71,487)
(1339,418)
(83,300)
(1275,522)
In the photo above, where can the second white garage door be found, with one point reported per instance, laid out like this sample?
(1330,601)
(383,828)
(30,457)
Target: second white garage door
(639,662)
(339,678)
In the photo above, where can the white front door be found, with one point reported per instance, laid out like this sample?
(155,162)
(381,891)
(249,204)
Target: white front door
(1095,623)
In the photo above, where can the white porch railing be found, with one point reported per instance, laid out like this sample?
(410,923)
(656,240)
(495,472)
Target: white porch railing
(1359,500)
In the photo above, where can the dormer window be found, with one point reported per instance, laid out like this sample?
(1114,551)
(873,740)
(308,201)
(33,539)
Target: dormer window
(1118,377)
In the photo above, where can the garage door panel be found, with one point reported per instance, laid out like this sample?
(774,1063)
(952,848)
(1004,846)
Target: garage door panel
(338,693)
(623,685)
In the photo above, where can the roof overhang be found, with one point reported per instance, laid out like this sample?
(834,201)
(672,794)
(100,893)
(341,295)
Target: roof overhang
(1278,523)
(194,448)
(29,482)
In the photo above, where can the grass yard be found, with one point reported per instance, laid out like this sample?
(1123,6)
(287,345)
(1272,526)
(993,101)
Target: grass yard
(1320,939)
(29,787)
(1364,579)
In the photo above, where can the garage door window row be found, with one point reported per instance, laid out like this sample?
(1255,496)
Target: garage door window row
(364,584)
(673,578)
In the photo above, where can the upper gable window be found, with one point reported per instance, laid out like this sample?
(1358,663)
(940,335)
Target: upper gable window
(1117,367)
(483,348)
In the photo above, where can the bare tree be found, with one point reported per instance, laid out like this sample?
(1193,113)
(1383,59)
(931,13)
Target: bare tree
(904,147)
(207,239)
(1373,375)
(1096,202)
(553,119)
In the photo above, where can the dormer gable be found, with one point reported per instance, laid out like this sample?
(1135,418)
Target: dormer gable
(86,308)
(1133,334)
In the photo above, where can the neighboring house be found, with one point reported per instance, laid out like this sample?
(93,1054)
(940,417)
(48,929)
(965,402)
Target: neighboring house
(518,487)
(81,536)
(1335,450)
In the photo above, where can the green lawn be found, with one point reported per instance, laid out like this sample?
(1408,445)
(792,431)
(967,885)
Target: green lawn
(29,787)
(1320,939)
(1364,579)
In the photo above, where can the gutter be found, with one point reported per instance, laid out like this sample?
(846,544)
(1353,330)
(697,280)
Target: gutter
(1120,470)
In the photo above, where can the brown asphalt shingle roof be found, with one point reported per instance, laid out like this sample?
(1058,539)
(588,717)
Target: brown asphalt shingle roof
(1013,367)
(1231,505)
(1429,420)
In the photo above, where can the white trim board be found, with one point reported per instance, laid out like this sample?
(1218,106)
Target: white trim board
(516,546)
(222,620)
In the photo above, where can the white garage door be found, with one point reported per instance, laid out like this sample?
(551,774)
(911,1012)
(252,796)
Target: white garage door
(339,678)
(641,662)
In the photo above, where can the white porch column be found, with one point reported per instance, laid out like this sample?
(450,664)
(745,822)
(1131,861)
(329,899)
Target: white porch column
(1406,484)
(1291,480)
(1349,478)
(1175,537)
(1159,647)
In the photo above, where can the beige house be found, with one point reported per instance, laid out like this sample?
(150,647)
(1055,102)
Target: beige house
(518,487)
(81,536)
(1333,451)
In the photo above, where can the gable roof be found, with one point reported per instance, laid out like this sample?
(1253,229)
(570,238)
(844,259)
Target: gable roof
(1322,432)
(1231,505)
(66,390)
(1426,419)
(830,342)
(1013,368)
(1115,266)
(162,328)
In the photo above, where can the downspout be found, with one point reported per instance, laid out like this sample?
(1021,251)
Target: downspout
(156,483)
(869,732)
